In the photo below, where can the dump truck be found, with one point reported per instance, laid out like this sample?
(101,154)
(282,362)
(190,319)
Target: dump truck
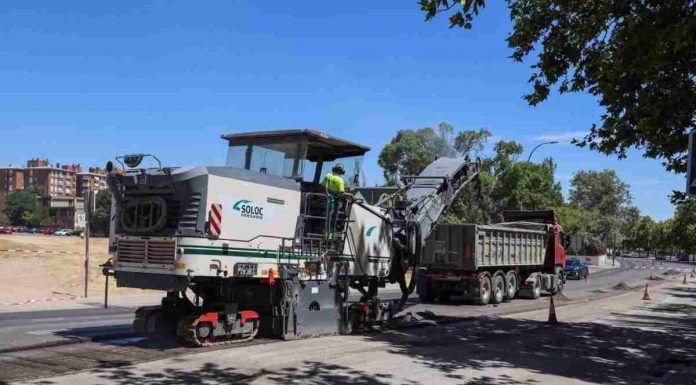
(522,256)
(259,246)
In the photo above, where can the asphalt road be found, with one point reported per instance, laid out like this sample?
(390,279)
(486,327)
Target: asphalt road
(51,329)
(31,328)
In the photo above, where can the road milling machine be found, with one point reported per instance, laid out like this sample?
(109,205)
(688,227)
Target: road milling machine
(243,248)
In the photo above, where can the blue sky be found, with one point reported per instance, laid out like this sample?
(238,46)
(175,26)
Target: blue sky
(84,81)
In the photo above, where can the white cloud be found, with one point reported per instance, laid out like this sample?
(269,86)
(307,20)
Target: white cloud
(563,137)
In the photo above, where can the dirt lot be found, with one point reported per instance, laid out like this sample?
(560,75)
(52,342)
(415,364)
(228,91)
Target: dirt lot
(32,276)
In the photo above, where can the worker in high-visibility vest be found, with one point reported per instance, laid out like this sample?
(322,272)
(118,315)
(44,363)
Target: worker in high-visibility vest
(335,187)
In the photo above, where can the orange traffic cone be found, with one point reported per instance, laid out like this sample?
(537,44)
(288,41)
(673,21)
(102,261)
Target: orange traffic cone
(646,295)
(552,313)
(684,281)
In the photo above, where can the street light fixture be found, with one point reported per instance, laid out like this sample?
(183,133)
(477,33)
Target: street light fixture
(539,145)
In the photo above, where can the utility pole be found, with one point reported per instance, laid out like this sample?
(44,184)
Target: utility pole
(88,215)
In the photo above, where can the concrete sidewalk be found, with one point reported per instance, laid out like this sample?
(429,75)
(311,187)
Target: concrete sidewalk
(622,339)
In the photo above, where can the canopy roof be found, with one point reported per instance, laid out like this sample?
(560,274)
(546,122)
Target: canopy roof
(319,145)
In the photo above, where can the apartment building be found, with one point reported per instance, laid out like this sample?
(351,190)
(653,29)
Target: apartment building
(93,180)
(62,186)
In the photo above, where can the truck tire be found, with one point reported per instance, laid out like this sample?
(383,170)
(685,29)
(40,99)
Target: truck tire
(498,289)
(510,286)
(536,289)
(484,293)
(560,277)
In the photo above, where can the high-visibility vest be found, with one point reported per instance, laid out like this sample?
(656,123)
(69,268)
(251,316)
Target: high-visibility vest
(333,183)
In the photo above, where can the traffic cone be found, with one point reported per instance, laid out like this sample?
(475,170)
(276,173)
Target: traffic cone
(552,313)
(646,295)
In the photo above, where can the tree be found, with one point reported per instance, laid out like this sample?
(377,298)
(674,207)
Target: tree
(684,226)
(637,57)
(528,186)
(603,193)
(600,191)
(410,151)
(470,142)
(576,221)
(24,208)
(101,218)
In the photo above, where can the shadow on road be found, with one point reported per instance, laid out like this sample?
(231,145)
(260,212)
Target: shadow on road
(653,345)
(638,348)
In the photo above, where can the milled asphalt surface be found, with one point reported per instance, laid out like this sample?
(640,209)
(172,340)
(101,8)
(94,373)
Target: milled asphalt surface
(49,330)
(29,328)
(619,340)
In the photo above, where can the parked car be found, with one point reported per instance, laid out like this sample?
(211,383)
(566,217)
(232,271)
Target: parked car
(627,255)
(35,230)
(63,232)
(683,258)
(6,230)
(576,269)
(48,230)
(21,229)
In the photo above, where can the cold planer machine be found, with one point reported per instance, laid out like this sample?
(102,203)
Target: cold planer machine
(260,246)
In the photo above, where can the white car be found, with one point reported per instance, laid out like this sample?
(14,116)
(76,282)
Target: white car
(63,232)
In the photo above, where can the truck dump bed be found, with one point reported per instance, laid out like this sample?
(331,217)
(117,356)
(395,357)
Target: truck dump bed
(472,247)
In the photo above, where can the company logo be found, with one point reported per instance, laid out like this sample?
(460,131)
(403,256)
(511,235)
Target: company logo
(370,230)
(248,209)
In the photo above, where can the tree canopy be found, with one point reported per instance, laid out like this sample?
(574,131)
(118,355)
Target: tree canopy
(504,183)
(637,57)
(410,151)
(23,207)
(101,217)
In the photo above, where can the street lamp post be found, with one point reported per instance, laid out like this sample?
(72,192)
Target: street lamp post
(529,159)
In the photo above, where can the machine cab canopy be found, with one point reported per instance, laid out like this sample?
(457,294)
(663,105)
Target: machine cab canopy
(297,154)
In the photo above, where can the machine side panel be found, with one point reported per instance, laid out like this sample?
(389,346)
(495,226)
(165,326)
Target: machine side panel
(251,211)
(368,242)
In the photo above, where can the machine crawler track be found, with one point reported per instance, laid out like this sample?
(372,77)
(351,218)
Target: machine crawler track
(187,330)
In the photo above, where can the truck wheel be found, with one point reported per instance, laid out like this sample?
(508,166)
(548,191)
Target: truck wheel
(510,286)
(558,272)
(484,290)
(498,292)
(536,290)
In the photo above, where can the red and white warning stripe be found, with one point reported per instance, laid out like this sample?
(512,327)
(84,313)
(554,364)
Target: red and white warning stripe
(215,220)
